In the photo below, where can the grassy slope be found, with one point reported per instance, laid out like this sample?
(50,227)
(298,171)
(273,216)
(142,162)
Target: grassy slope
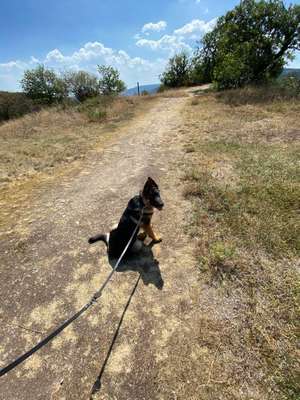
(40,141)
(242,176)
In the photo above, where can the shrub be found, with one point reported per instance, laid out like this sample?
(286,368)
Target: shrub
(82,84)
(96,115)
(13,105)
(96,108)
(286,88)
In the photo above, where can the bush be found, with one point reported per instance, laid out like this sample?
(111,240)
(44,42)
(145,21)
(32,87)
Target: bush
(286,88)
(162,88)
(82,84)
(96,108)
(13,105)
(44,86)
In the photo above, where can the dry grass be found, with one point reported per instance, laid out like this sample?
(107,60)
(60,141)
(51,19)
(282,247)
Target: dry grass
(243,179)
(41,141)
(171,93)
(285,89)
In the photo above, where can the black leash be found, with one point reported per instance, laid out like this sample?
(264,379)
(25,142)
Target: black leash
(53,334)
(97,385)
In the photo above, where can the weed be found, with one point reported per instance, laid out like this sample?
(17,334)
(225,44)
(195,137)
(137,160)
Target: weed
(195,101)
(97,115)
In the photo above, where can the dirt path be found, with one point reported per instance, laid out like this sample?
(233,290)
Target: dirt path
(48,272)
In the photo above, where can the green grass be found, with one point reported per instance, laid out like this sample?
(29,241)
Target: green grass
(245,191)
(262,208)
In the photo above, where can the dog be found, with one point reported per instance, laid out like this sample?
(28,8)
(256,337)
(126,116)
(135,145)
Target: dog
(139,211)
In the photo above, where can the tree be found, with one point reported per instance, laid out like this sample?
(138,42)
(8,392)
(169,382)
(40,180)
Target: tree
(110,82)
(177,71)
(82,84)
(204,59)
(43,85)
(250,44)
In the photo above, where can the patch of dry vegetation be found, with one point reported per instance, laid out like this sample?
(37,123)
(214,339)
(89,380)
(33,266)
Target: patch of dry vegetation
(169,93)
(43,140)
(243,179)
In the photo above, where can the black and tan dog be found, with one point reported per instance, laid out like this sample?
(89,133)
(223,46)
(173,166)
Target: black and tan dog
(139,211)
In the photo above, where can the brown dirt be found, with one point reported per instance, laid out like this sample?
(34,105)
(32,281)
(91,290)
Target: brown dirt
(48,271)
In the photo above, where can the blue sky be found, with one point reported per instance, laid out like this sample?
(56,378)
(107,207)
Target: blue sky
(134,36)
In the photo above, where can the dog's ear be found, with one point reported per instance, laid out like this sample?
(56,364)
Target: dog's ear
(152,182)
(148,187)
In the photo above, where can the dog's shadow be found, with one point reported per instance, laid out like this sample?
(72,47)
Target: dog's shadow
(141,260)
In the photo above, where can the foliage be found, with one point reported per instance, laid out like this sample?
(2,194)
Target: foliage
(110,82)
(96,108)
(43,85)
(82,84)
(249,44)
(13,105)
(177,71)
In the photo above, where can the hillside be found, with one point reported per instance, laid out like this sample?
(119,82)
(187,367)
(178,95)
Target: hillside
(291,71)
(149,88)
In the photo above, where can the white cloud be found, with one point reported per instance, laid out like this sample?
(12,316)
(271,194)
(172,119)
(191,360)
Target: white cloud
(12,64)
(170,43)
(34,60)
(195,27)
(132,69)
(156,27)
(96,53)
(54,55)
(180,39)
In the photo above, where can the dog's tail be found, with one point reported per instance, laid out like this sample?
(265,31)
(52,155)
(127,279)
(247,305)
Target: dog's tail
(104,237)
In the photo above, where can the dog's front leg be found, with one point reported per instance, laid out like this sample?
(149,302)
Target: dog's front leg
(149,231)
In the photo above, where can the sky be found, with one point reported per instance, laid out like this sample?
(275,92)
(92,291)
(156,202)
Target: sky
(137,37)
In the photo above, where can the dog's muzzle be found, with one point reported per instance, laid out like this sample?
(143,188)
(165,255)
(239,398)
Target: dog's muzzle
(158,203)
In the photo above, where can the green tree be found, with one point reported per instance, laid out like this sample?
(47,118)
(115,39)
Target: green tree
(43,85)
(82,84)
(250,44)
(110,82)
(177,71)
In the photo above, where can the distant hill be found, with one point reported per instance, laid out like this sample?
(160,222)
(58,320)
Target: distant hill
(149,88)
(291,71)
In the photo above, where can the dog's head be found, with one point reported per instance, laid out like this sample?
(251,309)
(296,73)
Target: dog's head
(152,195)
